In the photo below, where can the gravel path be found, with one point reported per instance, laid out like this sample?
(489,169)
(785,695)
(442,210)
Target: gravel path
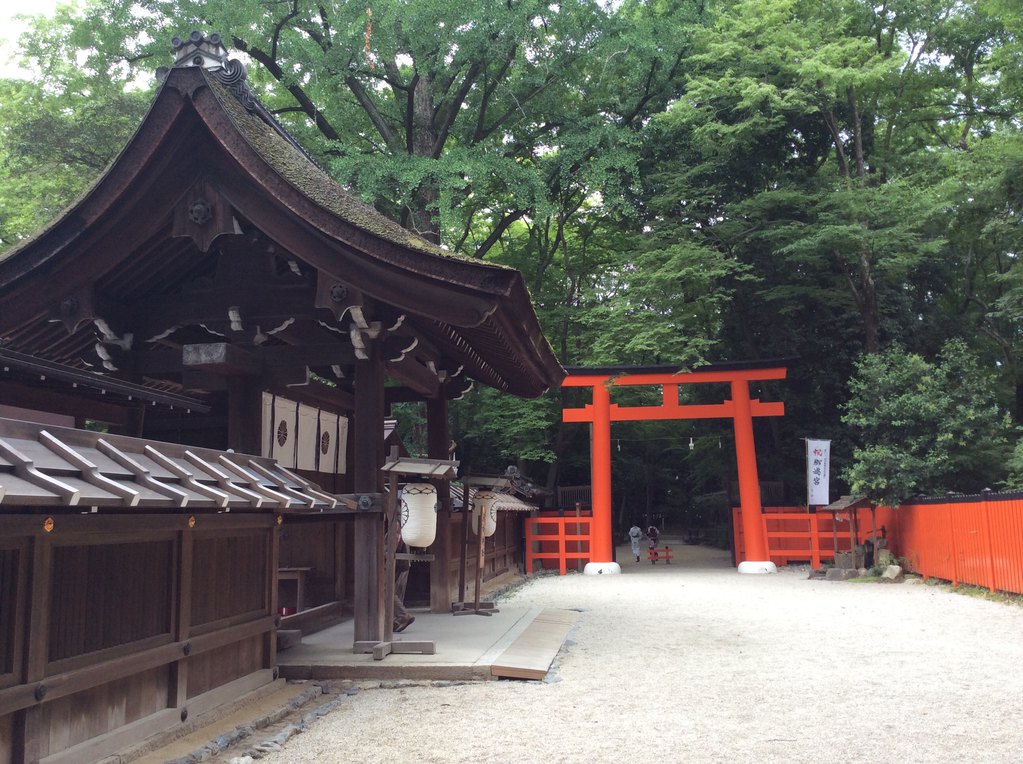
(692,662)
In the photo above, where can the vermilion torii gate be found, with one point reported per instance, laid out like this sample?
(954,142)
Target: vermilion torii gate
(740,408)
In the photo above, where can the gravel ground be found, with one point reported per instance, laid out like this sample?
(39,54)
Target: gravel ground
(693,662)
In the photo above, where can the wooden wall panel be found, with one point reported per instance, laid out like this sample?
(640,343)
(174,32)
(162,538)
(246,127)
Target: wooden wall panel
(6,739)
(229,575)
(105,595)
(308,544)
(85,715)
(217,667)
(312,544)
(10,576)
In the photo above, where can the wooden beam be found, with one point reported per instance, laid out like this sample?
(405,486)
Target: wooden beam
(41,399)
(221,358)
(230,359)
(649,413)
(265,305)
(334,399)
(415,376)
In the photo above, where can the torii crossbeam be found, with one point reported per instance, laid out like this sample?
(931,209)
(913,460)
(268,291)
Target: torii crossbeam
(740,408)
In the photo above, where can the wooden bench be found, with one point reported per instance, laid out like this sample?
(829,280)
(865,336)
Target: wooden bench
(663,553)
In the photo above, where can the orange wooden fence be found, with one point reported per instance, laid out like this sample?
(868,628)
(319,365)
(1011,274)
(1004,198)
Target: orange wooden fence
(795,535)
(550,538)
(970,540)
(974,540)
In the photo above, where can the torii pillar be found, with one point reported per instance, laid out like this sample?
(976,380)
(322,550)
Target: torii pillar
(741,409)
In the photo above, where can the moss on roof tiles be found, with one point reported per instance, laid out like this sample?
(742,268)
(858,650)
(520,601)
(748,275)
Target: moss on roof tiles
(297,169)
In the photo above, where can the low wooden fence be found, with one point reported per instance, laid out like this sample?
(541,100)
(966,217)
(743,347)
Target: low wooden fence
(796,535)
(975,540)
(552,538)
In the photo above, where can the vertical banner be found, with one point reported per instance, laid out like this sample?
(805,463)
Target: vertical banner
(308,437)
(818,472)
(280,422)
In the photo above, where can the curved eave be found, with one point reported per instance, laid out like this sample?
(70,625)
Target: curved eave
(486,291)
(59,243)
(360,247)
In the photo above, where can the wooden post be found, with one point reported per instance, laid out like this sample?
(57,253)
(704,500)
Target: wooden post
(392,537)
(480,559)
(244,404)
(749,484)
(466,508)
(183,617)
(578,544)
(437,445)
(600,525)
(33,722)
(369,538)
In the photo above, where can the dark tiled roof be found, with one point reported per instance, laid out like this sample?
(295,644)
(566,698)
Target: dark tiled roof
(43,466)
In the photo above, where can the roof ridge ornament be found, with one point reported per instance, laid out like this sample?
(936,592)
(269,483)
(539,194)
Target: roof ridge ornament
(210,54)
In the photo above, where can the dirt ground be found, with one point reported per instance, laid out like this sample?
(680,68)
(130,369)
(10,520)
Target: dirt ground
(693,662)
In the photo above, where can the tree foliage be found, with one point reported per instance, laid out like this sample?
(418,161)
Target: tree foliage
(925,427)
(678,181)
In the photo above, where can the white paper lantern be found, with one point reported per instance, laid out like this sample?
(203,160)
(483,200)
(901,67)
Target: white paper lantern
(418,514)
(485,503)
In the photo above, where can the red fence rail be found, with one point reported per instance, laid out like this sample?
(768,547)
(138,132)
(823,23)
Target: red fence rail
(549,538)
(796,535)
(969,540)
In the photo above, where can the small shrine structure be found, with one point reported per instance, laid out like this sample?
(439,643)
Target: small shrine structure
(217,291)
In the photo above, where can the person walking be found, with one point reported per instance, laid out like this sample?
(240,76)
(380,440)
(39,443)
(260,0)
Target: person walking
(653,534)
(635,534)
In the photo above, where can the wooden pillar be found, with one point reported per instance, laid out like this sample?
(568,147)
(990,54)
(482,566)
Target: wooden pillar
(33,722)
(369,531)
(749,483)
(244,414)
(437,442)
(601,549)
(178,685)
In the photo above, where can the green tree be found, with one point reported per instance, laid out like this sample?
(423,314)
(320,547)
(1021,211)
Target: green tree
(925,427)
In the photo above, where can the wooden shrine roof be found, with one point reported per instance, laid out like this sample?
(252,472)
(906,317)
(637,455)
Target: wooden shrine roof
(44,466)
(213,226)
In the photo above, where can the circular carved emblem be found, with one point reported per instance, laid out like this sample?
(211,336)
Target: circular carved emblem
(325,443)
(48,525)
(200,211)
(338,292)
(191,521)
(282,433)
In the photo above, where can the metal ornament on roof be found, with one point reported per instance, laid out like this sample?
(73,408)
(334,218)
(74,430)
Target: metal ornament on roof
(418,514)
(210,53)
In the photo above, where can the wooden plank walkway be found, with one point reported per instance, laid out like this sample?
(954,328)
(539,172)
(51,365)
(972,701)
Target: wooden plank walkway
(530,655)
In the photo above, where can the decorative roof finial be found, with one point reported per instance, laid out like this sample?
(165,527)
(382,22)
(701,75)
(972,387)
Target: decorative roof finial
(210,54)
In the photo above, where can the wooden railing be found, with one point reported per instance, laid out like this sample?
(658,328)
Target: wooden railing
(975,540)
(550,538)
(795,535)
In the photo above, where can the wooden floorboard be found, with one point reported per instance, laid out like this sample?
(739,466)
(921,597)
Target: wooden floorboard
(531,654)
